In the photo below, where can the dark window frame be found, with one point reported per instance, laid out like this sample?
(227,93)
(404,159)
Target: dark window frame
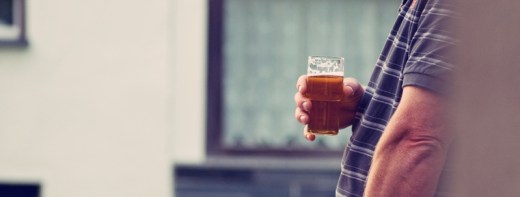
(214,98)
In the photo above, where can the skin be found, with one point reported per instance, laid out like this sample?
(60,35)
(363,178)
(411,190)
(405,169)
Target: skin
(411,152)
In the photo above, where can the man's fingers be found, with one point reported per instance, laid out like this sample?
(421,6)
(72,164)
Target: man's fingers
(308,135)
(301,116)
(302,102)
(351,87)
(301,84)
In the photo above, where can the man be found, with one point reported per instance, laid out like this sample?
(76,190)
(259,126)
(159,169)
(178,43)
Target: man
(400,110)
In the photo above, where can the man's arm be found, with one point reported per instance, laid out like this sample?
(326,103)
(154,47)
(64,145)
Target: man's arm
(410,155)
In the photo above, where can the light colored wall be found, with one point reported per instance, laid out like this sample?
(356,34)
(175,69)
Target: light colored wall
(91,109)
(189,80)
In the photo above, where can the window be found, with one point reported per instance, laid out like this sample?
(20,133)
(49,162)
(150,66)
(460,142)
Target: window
(257,50)
(12,23)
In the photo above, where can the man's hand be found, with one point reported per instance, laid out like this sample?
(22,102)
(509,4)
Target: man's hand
(352,93)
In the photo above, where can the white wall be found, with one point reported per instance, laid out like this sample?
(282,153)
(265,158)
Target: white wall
(87,109)
(190,32)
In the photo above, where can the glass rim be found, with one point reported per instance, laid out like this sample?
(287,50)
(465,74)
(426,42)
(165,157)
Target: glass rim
(326,57)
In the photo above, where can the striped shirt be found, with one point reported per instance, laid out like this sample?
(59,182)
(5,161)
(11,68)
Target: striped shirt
(415,54)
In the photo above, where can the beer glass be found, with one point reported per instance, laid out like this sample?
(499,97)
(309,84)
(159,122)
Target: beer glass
(325,90)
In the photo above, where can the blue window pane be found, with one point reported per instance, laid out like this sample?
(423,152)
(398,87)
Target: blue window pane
(6,12)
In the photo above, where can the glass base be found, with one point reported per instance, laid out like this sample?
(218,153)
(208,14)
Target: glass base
(324,132)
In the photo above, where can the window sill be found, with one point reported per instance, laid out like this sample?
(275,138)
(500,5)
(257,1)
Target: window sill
(268,163)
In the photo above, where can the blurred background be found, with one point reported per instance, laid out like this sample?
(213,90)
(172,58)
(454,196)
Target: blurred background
(189,98)
(157,98)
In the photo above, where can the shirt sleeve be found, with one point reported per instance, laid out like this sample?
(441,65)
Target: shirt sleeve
(431,61)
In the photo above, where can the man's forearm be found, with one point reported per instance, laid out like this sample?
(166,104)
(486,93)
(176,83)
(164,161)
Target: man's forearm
(410,155)
(408,168)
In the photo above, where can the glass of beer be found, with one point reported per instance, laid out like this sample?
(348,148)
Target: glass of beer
(325,89)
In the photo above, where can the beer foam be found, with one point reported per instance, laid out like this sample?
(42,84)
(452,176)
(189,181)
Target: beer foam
(321,65)
(325,74)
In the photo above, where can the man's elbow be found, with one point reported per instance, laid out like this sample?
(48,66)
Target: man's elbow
(422,147)
(416,142)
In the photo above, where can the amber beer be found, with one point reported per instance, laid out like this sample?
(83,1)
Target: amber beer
(325,89)
(325,92)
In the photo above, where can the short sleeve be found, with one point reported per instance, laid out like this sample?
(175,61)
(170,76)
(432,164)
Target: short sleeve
(431,61)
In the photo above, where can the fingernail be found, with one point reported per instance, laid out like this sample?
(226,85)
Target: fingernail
(305,106)
(351,90)
(310,137)
(299,88)
(303,119)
